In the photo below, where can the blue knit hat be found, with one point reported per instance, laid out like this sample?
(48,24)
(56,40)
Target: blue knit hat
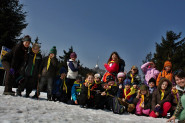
(127,81)
(63,70)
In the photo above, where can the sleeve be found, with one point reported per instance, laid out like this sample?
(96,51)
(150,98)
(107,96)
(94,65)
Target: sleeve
(72,67)
(178,109)
(156,72)
(113,68)
(14,56)
(158,78)
(148,102)
(73,93)
(144,67)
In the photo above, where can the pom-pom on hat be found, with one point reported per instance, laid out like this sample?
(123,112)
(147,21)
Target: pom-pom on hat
(73,55)
(127,81)
(121,74)
(63,70)
(167,63)
(53,50)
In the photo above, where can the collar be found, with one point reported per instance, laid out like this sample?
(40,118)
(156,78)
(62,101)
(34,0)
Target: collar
(180,89)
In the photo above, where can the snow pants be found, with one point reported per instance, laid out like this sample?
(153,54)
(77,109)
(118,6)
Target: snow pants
(140,110)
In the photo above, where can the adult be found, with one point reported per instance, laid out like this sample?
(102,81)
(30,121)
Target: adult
(13,63)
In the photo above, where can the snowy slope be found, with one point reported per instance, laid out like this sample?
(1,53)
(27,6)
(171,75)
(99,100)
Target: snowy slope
(27,110)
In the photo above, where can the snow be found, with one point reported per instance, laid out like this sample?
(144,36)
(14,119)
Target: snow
(15,109)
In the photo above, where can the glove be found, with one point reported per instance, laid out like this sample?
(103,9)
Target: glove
(12,71)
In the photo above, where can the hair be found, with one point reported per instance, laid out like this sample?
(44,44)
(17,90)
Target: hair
(27,37)
(89,74)
(110,58)
(36,45)
(179,73)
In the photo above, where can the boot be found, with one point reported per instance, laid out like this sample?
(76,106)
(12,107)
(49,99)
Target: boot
(9,93)
(18,93)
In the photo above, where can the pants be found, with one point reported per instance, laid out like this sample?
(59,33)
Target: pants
(9,79)
(140,110)
(166,107)
(70,84)
(48,81)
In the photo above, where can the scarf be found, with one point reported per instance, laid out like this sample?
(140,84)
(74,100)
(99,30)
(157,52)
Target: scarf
(142,99)
(132,76)
(49,59)
(132,91)
(33,63)
(65,86)
(89,91)
(174,92)
(162,94)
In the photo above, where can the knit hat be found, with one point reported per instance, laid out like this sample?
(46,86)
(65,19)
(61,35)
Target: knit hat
(167,63)
(152,80)
(121,74)
(63,70)
(73,55)
(143,87)
(134,67)
(127,81)
(27,38)
(97,75)
(53,50)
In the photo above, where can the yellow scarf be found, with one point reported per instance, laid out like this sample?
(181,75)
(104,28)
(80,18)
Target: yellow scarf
(49,59)
(162,94)
(132,91)
(34,58)
(175,94)
(89,91)
(142,99)
(65,86)
(132,80)
(97,82)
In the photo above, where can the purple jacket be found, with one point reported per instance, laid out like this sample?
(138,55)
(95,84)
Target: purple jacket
(149,72)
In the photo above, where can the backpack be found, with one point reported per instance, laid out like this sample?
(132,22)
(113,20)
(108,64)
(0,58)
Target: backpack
(117,108)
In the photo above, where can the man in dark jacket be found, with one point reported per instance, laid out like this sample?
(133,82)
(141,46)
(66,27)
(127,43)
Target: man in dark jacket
(48,70)
(13,63)
(31,71)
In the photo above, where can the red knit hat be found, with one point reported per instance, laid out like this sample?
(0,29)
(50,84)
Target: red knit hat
(167,63)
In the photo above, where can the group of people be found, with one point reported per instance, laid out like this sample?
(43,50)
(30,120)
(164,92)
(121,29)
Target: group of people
(160,92)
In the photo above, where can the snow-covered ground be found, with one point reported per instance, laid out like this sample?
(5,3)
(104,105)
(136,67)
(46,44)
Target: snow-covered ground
(15,109)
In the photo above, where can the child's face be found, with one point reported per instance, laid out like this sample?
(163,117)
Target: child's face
(63,75)
(35,49)
(120,79)
(151,84)
(78,80)
(164,85)
(90,79)
(180,81)
(97,79)
(152,65)
(73,59)
(143,92)
(135,86)
(111,83)
(26,44)
(167,68)
(114,57)
(127,87)
(174,88)
(51,55)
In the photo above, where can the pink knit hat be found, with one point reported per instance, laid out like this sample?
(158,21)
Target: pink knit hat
(121,74)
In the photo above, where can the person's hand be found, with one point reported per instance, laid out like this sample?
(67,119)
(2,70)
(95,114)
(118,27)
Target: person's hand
(157,113)
(12,71)
(103,93)
(76,102)
(157,105)
(171,119)
(123,99)
(120,86)
(86,84)
(142,105)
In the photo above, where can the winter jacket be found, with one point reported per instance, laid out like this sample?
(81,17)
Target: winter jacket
(76,89)
(32,68)
(149,72)
(52,70)
(179,107)
(136,79)
(164,74)
(16,57)
(147,101)
(72,69)
(130,94)
(58,86)
(112,67)
(156,96)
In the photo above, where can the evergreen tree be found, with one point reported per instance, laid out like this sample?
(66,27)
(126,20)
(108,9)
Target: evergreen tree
(12,22)
(148,58)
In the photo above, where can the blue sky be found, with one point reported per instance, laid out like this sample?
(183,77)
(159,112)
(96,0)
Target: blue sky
(99,27)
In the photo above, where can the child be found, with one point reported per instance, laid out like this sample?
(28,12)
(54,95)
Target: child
(112,66)
(31,71)
(151,84)
(60,87)
(73,67)
(13,63)
(166,72)
(150,71)
(161,99)
(111,89)
(121,77)
(85,98)
(76,89)
(47,72)
(133,75)
(180,109)
(143,101)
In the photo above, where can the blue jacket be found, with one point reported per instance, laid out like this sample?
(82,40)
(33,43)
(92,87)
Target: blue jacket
(75,90)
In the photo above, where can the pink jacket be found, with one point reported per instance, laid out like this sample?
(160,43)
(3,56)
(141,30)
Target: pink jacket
(149,72)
